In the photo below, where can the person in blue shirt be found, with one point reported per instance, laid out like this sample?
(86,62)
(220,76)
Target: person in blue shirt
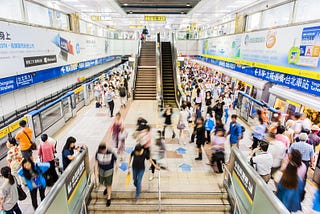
(316,200)
(235,131)
(34,178)
(290,188)
(258,133)
(209,126)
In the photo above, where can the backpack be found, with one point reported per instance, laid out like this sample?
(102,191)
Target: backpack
(242,130)
(98,105)
(122,92)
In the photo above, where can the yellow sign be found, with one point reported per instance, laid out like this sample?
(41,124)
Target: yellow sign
(77,90)
(293,103)
(100,18)
(293,71)
(4,132)
(155,18)
(15,125)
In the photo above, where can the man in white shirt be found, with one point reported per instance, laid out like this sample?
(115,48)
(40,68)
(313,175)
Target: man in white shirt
(278,151)
(263,161)
(306,122)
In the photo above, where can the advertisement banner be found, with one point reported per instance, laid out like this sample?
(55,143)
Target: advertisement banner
(25,49)
(292,50)
(306,85)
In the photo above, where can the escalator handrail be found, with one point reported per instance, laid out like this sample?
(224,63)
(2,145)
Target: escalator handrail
(174,68)
(136,70)
(161,72)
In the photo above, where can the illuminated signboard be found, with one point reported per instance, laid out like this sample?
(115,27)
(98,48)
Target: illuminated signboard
(155,18)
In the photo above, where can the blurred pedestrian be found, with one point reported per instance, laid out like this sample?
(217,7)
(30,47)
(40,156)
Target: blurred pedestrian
(14,157)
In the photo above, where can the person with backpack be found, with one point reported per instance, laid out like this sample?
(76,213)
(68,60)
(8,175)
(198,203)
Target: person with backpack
(122,94)
(235,131)
(9,193)
(109,96)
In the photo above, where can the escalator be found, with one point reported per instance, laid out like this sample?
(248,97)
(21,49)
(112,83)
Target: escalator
(168,83)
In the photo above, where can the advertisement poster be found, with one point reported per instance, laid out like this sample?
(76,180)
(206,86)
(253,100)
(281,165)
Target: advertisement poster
(297,54)
(24,49)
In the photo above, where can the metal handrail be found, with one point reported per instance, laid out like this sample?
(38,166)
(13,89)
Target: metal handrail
(159,193)
(174,68)
(226,170)
(136,69)
(160,74)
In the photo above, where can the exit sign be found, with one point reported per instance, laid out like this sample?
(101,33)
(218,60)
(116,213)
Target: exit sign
(155,18)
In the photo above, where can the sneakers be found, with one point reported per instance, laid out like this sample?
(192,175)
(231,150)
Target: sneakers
(105,192)
(108,202)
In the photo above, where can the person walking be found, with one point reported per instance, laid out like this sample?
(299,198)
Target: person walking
(115,130)
(46,154)
(137,158)
(106,164)
(290,188)
(34,178)
(157,152)
(9,193)
(209,126)
(109,96)
(123,95)
(182,124)
(258,132)
(14,158)
(217,158)
(168,121)
(24,137)
(235,132)
(200,134)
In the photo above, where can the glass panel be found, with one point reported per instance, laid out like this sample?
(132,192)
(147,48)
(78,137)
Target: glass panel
(281,104)
(11,9)
(62,20)
(36,125)
(79,97)
(253,21)
(66,106)
(39,15)
(245,108)
(50,116)
(83,26)
(307,10)
(271,18)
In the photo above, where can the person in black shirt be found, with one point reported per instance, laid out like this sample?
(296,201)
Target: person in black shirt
(104,167)
(200,135)
(218,108)
(138,157)
(168,122)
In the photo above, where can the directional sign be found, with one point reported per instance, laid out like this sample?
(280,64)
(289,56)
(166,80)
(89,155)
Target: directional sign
(123,166)
(185,167)
(181,150)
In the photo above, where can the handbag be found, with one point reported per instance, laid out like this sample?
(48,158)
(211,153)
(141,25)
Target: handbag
(21,194)
(33,144)
(181,126)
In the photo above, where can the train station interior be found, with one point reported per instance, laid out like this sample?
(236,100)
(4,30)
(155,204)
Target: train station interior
(145,106)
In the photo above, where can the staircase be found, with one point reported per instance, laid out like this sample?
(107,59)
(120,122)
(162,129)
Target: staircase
(171,202)
(145,87)
(167,74)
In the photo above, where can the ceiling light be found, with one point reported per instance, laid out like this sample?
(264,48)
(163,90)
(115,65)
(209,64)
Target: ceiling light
(188,5)
(130,12)
(125,4)
(182,12)
(80,5)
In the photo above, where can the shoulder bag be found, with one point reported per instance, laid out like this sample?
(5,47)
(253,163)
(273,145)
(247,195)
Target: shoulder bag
(33,144)
(21,194)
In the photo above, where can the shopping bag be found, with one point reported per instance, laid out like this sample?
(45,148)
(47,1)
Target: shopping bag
(128,179)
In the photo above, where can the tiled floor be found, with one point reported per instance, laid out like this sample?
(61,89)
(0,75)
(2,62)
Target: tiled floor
(91,126)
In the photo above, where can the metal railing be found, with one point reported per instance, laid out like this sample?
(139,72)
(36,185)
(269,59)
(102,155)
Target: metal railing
(236,208)
(135,70)
(159,193)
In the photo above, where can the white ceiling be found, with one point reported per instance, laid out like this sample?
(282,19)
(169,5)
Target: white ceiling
(205,12)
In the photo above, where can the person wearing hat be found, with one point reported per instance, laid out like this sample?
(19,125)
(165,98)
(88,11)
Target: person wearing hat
(313,137)
(305,149)
(138,157)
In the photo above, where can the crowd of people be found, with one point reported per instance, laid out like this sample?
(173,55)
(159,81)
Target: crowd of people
(283,146)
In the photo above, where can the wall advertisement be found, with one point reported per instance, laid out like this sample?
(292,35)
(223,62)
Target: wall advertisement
(292,50)
(30,55)
(25,49)
(306,85)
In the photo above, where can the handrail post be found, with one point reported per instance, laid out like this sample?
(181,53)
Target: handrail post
(159,193)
